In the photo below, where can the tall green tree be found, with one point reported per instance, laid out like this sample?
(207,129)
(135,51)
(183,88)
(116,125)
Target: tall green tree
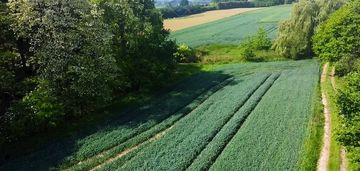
(295,34)
(70,41)
(142,50)
(338,40)
(17,65)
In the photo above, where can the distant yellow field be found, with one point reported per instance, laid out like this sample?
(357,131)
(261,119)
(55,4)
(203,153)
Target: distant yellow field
(192,20)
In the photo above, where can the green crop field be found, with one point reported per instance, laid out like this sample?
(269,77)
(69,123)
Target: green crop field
(253,116)
(234,29)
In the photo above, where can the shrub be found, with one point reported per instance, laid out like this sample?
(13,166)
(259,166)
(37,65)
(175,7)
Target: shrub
(36,112)
(349,105)
(185,54)
(346,64)
(261,41)
(247,52)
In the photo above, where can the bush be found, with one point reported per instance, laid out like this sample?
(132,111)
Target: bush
(240,4)
(258,42)
(349,105)
(346,64)
(248,53)
(185,54)
(180,11)
(37,112)
(261,41)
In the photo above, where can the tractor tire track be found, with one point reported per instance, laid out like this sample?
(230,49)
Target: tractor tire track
(233,124)
(103,157)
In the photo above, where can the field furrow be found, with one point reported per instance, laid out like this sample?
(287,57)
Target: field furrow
(119,129)
(192,133)
(209,154)
(146,135)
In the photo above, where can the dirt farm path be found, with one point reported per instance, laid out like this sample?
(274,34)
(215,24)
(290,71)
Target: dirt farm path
(325,152)
(197,19)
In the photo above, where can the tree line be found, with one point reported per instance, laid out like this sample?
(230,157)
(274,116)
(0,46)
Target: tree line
(61,60)
(185,8)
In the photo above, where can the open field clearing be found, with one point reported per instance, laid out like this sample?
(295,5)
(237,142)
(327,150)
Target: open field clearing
(197,19)
(238,115)
(232,30)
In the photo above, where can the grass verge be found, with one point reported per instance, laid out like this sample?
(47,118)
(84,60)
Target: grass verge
(335,148)
(313,141)
(224,54)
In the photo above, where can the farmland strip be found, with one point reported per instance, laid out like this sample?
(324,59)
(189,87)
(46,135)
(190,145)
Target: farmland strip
(176,149)
(127,151)
(209,154)
(140,138)
(144,117)
(273,136)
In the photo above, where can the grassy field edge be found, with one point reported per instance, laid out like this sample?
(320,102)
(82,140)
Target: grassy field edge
(335,148)
(313,140)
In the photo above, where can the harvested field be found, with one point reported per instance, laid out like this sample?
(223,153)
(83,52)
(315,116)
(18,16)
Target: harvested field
(197,19)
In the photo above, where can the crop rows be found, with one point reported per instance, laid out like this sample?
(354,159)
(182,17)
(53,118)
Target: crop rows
(142,137)
(128,125)
(237,117)
(191,134)
(234,29)
(272,137)
(214,148)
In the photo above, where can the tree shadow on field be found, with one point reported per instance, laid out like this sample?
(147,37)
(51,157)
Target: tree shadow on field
(167,102)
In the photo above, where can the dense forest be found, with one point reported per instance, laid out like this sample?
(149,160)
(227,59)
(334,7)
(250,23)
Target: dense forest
(61,60)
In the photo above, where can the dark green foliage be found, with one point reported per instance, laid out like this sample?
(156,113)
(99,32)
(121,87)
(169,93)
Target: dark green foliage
(295,35)
(185,54)
(340,35)
(260,41)
(61,60)
(347,64)
(338,40)
(180,11)
(234,4)
(142,52)
(349,105)
(227,4)
(247,52)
